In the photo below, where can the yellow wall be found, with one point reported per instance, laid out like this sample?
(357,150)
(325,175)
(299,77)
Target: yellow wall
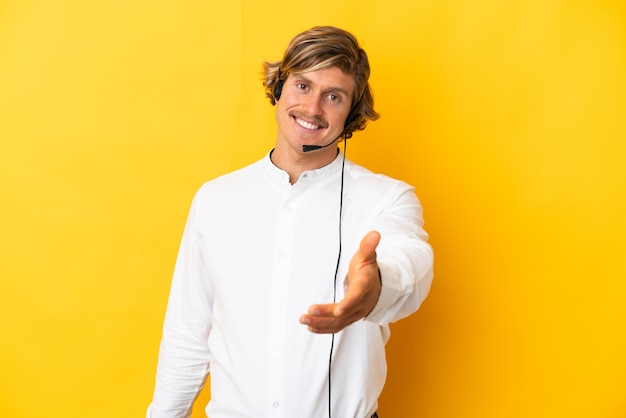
(508,116)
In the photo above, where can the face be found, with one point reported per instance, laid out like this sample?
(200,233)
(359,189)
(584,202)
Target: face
(312,109)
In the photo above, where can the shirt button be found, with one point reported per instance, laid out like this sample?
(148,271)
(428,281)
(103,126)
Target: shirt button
(276,404)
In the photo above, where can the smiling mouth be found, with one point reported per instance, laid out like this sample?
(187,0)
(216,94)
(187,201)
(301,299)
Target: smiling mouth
(307,125)
(311,124)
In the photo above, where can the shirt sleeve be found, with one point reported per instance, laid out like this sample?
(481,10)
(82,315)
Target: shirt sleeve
(183,363)
(404,257)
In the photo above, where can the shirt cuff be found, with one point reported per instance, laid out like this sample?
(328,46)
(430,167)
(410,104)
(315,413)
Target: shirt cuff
(390,292)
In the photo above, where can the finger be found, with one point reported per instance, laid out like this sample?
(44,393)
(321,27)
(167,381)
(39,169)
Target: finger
(322,319)
(316,313)
(323,310)
(319,324)
(367,248)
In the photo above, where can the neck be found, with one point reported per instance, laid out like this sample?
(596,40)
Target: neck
(295,163)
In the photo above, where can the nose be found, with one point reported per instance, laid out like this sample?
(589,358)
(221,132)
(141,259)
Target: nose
(313,104)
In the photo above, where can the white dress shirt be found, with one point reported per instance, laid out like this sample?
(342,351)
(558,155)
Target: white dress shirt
(255,254)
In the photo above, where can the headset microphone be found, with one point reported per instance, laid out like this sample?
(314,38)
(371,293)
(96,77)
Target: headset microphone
(307,148)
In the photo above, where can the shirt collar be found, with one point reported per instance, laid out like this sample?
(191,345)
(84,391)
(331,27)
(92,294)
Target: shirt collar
(308,175)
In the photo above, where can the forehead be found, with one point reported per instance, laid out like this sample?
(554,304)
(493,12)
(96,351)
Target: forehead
(331,78)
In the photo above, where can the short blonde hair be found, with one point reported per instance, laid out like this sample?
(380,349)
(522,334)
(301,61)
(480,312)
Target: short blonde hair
(323,47)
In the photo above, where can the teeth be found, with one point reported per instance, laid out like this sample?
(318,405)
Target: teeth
(306,124)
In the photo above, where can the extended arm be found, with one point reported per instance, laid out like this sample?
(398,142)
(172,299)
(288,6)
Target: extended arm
(390,274)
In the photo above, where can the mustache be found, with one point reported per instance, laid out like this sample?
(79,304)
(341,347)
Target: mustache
(317,120)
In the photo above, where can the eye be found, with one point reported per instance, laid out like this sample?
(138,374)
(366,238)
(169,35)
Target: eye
(301,86)
(335,98)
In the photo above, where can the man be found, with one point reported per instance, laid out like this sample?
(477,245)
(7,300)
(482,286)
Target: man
(291,269)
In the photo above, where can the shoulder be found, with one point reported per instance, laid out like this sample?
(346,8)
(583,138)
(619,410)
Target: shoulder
(365,180)
(239,179)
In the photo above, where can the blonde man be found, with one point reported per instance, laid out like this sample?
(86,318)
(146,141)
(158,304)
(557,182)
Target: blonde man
(291,269)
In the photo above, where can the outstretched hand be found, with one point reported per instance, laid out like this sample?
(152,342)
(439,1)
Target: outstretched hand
(364,286)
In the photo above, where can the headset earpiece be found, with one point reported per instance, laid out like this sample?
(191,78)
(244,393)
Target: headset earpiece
(278,89)
(353,116)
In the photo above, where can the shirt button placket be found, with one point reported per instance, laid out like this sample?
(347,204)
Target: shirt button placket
(280,282)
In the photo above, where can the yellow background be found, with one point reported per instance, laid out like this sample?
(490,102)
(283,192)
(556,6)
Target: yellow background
(509,117)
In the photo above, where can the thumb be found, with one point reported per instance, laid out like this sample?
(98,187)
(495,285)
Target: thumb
(367,248)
